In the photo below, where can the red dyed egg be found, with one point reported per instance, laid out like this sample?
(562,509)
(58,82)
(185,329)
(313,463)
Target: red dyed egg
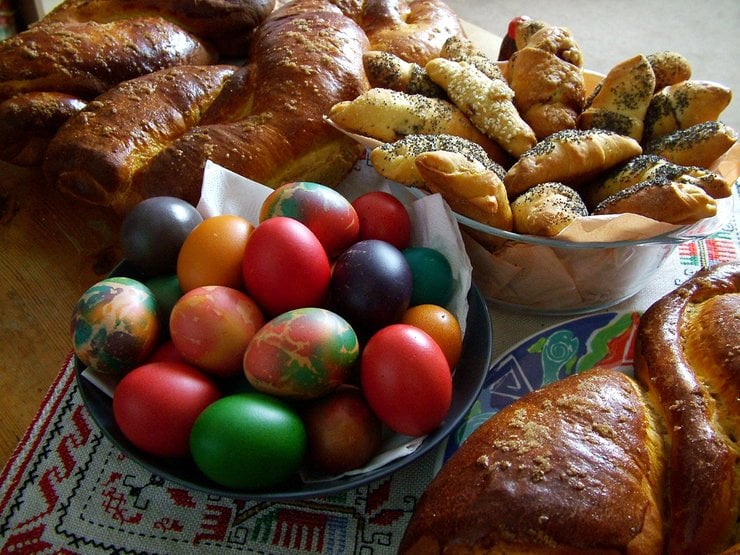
(330,216)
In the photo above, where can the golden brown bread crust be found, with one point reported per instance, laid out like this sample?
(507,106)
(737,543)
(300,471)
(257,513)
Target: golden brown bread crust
(620,101)
(546,209)
(649,166)
(305,57)
(468,186)
(389,115)
(88,58)
(29,121)
(397,160)
(669,68)
(549,92)
(684,104)
(227,24)
(489,103)
(603,463)
(661,199)
(688,353)
(570,156)
(96,153)
(510,489)
(699,145)
(85,47)
(414,30)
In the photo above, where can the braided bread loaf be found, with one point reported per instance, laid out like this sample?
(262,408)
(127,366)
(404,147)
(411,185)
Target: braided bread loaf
(601,462)
(83,48)
(267,120)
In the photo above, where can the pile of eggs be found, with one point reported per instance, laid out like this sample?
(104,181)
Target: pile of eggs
(263,349)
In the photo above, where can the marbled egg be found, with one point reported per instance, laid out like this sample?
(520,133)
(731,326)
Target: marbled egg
(301,354)
(115,325)
(330,216)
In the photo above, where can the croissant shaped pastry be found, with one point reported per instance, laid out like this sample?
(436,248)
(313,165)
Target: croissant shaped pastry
(487,102)
(602,462)
(620,101)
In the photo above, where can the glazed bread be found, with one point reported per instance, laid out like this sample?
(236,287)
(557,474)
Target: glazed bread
(267,121)
(414,30)
(88,58)
(601,462)
(29,121)
(227,25)
(573,468)
(83,48)
(688,354)
(97,152)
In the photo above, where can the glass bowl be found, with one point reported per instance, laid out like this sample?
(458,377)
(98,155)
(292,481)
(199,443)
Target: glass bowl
(556,277)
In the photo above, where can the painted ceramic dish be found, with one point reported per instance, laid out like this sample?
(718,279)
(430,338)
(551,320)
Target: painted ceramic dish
(605,339)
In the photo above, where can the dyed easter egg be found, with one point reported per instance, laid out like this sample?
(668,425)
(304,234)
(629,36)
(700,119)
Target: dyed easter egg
(330,216)
(211,326)
(156,404)
(115,325)
(301,354)
(431,274)
(248,441)
(371,285)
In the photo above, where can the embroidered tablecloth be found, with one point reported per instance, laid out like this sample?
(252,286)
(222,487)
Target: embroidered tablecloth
(68,490)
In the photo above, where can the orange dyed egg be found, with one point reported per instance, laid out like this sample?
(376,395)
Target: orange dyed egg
(212,253)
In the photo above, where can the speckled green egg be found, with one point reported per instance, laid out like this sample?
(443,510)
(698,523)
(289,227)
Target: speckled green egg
(301,354)
(115,325)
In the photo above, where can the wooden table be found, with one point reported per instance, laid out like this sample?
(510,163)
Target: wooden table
(52,248)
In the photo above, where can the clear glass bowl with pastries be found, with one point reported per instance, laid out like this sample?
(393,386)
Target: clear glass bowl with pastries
(572,188)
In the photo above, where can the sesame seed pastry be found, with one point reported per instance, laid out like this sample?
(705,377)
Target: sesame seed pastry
(487,102)
(621,99)
(460,49)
